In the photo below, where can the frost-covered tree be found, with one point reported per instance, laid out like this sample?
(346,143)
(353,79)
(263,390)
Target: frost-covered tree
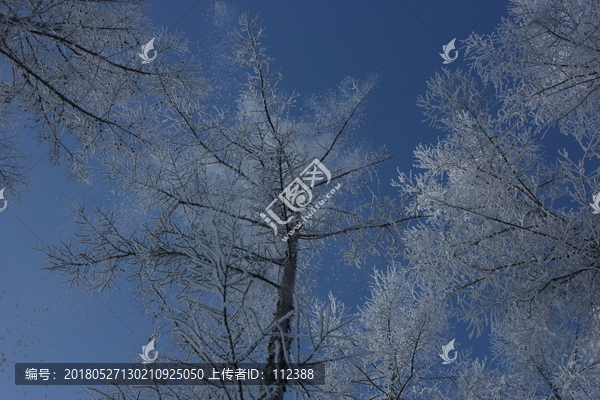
(543,61)
(510,239)
(400,330)
(241,202)
(71,68)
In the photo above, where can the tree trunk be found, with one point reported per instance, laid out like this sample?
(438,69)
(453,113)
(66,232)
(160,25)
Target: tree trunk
(281,341)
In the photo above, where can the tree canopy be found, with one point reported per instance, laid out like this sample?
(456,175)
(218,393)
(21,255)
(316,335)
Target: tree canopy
(74,74)
(511,241)
(493,229)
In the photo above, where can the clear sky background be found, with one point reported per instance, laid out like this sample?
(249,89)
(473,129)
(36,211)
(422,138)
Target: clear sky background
(315,44)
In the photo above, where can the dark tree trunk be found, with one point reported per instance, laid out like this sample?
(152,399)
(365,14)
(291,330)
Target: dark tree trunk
(281,341)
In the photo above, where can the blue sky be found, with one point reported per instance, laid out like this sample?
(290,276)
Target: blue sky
(315,43)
